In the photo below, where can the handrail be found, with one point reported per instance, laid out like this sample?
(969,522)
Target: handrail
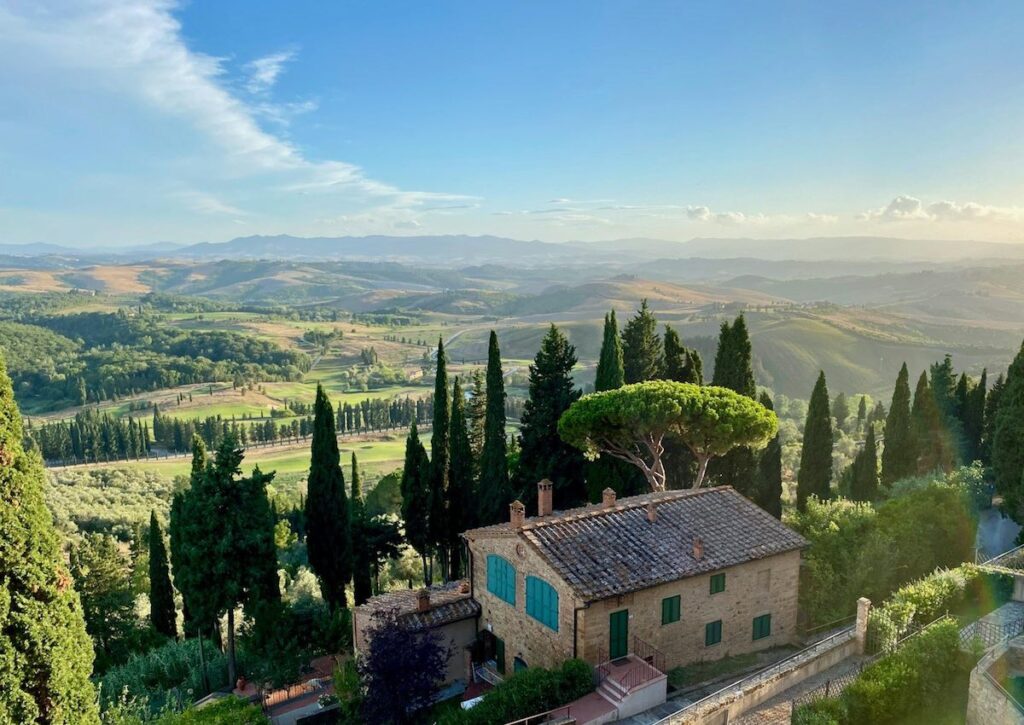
(1004,691)
(760,674)
(524,720)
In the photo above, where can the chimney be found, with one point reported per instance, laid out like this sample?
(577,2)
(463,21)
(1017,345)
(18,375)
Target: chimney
(423,600)
(652,512)
(607,498)
(698,548)
(544,498)
(516,514)
(464,587)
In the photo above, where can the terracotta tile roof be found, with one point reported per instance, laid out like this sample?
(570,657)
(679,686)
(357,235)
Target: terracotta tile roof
(448,603)
(603,552)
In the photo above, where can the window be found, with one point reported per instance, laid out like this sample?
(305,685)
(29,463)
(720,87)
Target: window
(518,664)
(501,579)
(762,626)
(713,633)
(670,609)
(542,602)
(717,583)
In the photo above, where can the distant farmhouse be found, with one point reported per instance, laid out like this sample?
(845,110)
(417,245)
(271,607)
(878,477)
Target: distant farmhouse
(635,586)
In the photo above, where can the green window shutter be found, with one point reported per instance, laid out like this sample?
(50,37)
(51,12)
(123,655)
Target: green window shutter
(499,654)
(501,579)
(670,609)
(542,602)
(713,633)
(718,583)
(762,626)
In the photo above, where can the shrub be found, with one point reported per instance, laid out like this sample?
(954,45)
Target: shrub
(228,711)
(527,693)
(827,711)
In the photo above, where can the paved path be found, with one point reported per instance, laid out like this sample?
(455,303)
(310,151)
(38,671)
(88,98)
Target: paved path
(777,710)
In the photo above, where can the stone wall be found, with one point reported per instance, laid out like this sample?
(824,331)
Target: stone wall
(764,586)
(988,703)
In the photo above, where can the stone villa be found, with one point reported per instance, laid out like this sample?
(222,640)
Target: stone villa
(672,578)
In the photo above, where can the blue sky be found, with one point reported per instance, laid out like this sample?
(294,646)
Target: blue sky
(134,122)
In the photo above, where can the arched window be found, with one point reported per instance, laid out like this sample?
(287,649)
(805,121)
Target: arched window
(542,602)
(501,579)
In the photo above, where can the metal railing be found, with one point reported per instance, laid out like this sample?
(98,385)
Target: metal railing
(1004,692)
(649,654)
(558,713)
(273,698)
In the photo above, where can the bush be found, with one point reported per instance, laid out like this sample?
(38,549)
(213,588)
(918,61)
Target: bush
(527,693)
(827,711)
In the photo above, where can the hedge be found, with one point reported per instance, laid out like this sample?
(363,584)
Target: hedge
(897,684)
(526,693)
(923,601)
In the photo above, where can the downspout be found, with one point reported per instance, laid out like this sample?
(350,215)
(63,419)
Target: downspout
(575,628)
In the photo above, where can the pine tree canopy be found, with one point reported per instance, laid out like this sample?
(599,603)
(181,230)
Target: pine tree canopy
(815,474)
(46,656)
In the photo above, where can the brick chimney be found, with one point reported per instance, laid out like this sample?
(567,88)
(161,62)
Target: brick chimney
(544,498)
(652,512)
(423,600)
(607,498)
(516,514)
(698,548)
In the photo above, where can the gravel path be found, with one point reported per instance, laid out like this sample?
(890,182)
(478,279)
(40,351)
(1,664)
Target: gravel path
(778,709)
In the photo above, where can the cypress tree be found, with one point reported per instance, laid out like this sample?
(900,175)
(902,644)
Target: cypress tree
(415,488)
(440,444)
(899,454)
(734,370)
(681,364)
(161,594)
(862,411)
(932,438)
(328,533)
(840,410)
(864,478)
(641,347)
(543,453)
(1008,434)
(476,414)
(46,655)
(989,425)
(362,575)
(606,471)
(974,419)
(495,491)
(815,474)
(610,374)
(769,471)
(460,481)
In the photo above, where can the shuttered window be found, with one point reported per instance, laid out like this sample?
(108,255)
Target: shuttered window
(542,602)
(717,583)
(670,609)
(713,633)
(762,626)
(501,579)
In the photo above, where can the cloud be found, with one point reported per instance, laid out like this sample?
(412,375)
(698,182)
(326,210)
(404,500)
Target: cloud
(135,49)
(264,72)
(205,203)
(909,208)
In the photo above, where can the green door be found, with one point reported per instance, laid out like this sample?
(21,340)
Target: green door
(499,654)
(618,634)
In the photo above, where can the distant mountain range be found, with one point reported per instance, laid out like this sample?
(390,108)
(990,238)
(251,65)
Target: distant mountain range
(460,250)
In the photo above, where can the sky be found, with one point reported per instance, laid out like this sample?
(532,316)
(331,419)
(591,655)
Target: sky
(127,123)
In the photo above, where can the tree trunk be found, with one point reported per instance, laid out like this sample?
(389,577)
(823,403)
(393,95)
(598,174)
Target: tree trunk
(204,680)
(232,673)
(702,467)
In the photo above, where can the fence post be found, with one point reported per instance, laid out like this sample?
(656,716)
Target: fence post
(861,628)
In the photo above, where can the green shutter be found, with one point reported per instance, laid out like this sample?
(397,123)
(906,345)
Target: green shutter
(670,609)
(713,633)
(499,654)
(762,626)
(542,602)
(618,634)
(501,579)
(718,583)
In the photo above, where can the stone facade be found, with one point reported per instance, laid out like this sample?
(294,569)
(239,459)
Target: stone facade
(752,589)
(988,703)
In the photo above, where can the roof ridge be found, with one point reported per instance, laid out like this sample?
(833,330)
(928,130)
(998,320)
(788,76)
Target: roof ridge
(595,510)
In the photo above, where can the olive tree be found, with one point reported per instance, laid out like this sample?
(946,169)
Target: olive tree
(632,423)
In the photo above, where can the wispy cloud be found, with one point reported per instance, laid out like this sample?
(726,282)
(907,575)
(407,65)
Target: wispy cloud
(205,203)
(264,72)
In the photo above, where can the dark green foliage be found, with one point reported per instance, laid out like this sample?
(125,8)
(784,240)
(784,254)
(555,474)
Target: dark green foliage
(460,481)
(162,613)
(476,414)
(642,357)
(734,370)
(227,711)
(495,490)
(416,498)
(815,474)
(972,414)
(864,471)
(401,669)
(543,454)
(45,650)
(526,693)
(328,531)
(222,543)
(989,426)
(440,451)
(899,454)
(1007,446)
(862,411)
(610,373)
(768,493)
(362,572)
(840,410)
(933,441)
